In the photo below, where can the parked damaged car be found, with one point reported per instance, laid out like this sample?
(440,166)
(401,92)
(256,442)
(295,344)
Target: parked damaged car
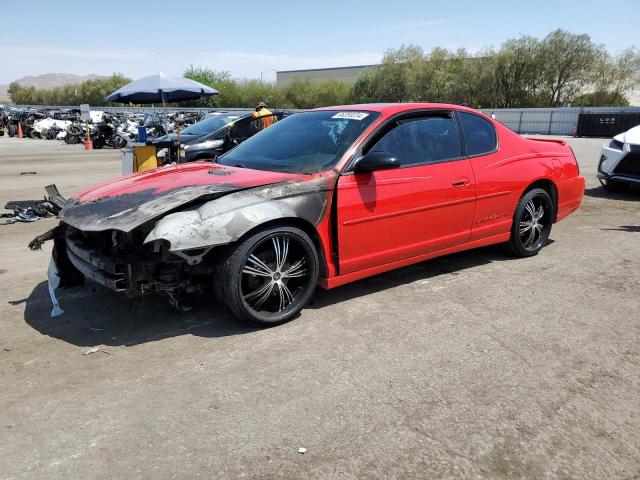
(213,136)
(323,197)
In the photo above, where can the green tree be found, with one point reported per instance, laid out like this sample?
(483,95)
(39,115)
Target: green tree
(614,77)
(516,73)
(600,98)
(92,92)
(222,81)
(565,61)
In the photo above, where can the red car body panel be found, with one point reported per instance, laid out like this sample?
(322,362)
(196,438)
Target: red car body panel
(392,218)
(390,215)
(383,220)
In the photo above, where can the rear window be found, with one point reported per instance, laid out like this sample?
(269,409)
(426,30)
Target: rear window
(479,134)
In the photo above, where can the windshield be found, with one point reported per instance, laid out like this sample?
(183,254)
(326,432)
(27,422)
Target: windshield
(209,125)
(307,142)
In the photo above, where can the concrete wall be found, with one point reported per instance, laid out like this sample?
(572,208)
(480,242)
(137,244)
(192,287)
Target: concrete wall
(548,121)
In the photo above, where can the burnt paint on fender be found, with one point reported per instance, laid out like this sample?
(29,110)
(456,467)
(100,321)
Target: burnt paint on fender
(228,218)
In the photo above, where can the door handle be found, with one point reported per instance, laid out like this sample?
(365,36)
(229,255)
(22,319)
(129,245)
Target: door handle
(460,182)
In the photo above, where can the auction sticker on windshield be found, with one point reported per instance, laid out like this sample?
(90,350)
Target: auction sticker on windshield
(351,115)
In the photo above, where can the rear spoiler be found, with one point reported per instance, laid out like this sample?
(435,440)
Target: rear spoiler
(554,140)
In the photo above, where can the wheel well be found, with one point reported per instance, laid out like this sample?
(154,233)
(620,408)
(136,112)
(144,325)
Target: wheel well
(303,225)
(550,188)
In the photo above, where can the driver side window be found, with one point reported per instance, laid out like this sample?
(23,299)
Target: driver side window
(424,140)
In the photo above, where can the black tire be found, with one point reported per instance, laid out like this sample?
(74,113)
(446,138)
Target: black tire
(35,135)
(614,187)
(119,142)
(1,132)
(12,130)
(98,143)
(532,222)
(70,139)
(75,130)
(263,287)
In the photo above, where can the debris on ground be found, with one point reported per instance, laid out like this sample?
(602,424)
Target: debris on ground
(53,282)
(32,210)
(28,210)
(302,450)
(28,173)
(99,348)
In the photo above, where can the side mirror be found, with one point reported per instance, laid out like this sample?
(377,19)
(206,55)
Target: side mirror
(373,161)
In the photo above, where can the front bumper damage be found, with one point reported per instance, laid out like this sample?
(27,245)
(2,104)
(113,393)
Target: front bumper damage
(108,272)
(118,262)
(170,243)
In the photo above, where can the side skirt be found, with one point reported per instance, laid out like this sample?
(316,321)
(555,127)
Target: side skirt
(339,280)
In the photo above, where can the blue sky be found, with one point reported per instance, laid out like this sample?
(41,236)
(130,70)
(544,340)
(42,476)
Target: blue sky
(248,37)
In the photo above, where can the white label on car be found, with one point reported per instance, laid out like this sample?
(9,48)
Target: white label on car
(351,115)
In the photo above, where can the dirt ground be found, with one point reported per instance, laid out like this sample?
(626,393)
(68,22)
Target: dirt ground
(475,365)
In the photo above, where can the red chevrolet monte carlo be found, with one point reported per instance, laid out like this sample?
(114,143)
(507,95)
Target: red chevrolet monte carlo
(323,197)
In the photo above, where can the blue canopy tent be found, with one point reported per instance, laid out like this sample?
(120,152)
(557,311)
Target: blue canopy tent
(161,88)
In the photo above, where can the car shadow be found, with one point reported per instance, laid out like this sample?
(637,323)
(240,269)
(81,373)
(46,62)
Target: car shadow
(633,194)
(452,264)
(625,228)
(96,316)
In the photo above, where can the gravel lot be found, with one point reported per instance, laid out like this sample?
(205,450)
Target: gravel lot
(474,365)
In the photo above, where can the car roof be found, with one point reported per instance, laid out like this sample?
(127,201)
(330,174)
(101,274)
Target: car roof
(388,109)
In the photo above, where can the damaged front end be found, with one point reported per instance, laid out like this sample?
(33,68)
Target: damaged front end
(121,262)
(169,242)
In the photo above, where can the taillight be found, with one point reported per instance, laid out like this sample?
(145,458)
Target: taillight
(573,154)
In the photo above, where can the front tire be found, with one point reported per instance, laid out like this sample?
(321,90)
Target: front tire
(269,277)
(531,223)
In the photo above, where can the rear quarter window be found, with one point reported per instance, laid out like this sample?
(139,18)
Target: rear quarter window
(479,133)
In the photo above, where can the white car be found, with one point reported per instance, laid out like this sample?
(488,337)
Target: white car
(619,164)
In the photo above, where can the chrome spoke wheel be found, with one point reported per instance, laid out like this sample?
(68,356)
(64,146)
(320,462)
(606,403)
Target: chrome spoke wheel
(275,274)
(535,222)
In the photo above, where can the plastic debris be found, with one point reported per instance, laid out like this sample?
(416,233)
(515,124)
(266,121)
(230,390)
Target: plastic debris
(53,283)
(302,450)
(99,348)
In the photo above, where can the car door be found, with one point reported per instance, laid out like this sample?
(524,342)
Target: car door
(497,173)
(426,204)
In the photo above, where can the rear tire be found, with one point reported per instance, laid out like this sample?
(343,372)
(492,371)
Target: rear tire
(12,130)
(532,222)
(269,277)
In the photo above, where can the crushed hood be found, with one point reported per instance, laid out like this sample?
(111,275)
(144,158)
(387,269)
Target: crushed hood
(128,202)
